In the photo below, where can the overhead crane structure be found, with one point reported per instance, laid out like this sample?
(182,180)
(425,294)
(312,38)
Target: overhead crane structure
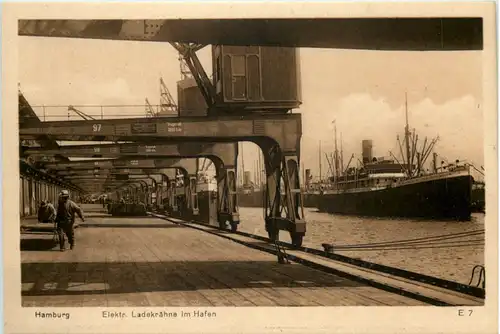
(148,193)
(168,107)
(115,182)
(106,170)
(150,159)
(36,184)
(178,200)
(276,132)
(277,135)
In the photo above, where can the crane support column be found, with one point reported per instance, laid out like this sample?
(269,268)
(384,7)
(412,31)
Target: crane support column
(227,206)
(283,200)
(277,135)
(172,186)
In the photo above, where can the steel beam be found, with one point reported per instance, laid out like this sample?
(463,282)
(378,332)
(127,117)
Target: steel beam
(227,212)
(224,151)
(277,135)
(190,165)
(115,171)
(285,130)
(85,171)
(410,33)
(146,197)
(224,156)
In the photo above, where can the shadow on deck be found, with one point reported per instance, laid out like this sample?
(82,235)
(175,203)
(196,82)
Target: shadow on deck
(170,276)
(131,225)
(39,244)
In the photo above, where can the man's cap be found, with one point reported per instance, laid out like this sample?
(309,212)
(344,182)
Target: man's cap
(64,193)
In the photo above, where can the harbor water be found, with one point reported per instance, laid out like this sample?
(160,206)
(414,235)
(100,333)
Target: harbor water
(451,258)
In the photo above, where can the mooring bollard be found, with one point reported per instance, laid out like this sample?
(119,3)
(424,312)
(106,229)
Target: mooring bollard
(328,248)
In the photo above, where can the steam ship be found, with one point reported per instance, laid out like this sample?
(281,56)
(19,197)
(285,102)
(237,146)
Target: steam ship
(250,194)
(386,187)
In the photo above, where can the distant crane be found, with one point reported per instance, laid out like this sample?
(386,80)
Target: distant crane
(79,113)
(190,67)
(150,111)
(167,105)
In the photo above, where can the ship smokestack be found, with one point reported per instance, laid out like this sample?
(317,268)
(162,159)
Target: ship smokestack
(367,150)
(247,176)
(308,177)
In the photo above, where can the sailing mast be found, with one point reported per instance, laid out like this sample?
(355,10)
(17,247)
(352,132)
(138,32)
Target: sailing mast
(341,155)
(320,161)
(407,137)
(336,154)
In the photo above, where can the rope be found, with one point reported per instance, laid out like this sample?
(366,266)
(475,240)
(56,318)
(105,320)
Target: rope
(433,242)
(412,248)
(416,240)
(437,242)
(480,172)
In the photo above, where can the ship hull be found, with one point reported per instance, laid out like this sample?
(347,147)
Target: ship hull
(478,201)
(311,200)
(446,198)
(254,199)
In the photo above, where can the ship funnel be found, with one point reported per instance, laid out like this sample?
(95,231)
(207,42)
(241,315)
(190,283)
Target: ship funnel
(308,177)
(247,176)
(367,151)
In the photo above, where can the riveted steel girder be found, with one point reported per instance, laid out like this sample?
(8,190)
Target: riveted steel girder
(222,154)
(225,151)
(284,130)
(99,171)
(115,171)
(189,165)
(384,33)
(106,177)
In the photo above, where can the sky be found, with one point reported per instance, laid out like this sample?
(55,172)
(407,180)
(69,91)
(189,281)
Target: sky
(363,91)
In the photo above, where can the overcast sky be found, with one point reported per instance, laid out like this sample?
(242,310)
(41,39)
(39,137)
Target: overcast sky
(363,90)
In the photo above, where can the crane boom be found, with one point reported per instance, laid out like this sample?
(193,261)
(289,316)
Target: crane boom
(167,104)
(80,113)
(150,112)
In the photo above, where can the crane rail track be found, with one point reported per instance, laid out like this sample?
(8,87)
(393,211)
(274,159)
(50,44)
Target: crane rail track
(427,289)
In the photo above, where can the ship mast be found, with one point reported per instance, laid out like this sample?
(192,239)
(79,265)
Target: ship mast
(341,155)
(336,154)
(407,137)
(320,161)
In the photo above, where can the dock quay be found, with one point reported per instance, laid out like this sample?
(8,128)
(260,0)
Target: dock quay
(162,261)
(233,196)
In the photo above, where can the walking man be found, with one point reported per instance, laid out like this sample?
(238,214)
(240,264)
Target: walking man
(65,219)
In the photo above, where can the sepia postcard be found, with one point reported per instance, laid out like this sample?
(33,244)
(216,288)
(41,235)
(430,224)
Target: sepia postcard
(263,167)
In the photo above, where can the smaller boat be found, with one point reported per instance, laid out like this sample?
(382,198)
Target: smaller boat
(478,197)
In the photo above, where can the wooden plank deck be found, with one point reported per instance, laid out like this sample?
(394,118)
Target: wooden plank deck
(150,262)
